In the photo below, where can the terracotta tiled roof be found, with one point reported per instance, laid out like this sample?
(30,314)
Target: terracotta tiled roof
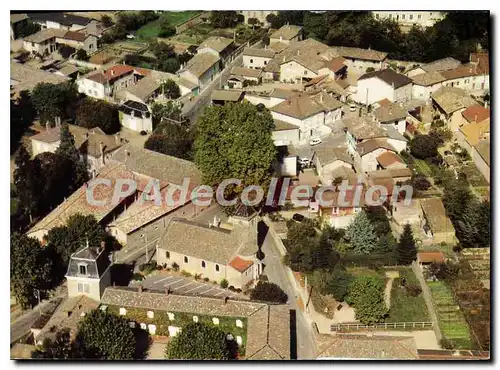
(390,112)
(246,72)
(335,64)
(451,99)
(427,257)
(358,53)
(483,62)
(369,146)
(474,132)
(116,72)
(239,264)
(388,158)
(201,63)
(476,113)
(428,78)
(76,36)
(483,148)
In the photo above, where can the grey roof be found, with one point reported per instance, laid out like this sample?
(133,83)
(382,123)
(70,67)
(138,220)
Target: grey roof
(428,78)
(146,86)
(388,76)
(201,63)
(216,43)
(268,326)
(45,34)
(157,165)
(263,53)
(483,148)
(441,65)
(287,32)
(24,77)
(200,241)
(393,133)
(363,128)
(358,53)
(329,155)
(246,72)
(390,112)
(451,99)
(16,17)
(96,260)
(346,346)
(227,95)
(283,126)
(66,19)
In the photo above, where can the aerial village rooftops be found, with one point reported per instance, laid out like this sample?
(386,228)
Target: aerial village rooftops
(286,32)
(216,43)
(389,76)
(451,99)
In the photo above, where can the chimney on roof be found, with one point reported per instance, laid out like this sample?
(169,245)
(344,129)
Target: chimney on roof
(47,125)
(321,97)
(140,288)
(475,117)
(113,72)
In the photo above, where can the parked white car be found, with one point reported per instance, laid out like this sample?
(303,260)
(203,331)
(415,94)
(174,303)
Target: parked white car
(352,108)
(315,141)
(304,162)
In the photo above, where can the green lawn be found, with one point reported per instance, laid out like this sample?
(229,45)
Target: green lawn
(404,307)
(451,319)
(364,271)
(422,167)
(151,29)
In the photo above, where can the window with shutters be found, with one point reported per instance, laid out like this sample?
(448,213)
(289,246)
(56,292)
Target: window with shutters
(186,260)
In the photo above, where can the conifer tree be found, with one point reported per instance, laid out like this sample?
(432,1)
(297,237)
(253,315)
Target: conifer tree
(406,250)
(361,234)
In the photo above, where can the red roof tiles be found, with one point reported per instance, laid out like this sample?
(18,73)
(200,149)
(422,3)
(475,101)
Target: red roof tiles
(239,264)
(476,113)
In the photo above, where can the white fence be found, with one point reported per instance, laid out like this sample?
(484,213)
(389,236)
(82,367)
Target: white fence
(385,326)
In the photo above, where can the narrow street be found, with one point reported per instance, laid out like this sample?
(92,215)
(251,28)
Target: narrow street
(276,273)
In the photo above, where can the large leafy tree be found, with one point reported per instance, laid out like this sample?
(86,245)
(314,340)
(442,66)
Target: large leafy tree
(22,115)
(198,341)
(235,141)
(107,336)
(171,139)
(51,101)
(361,234)
(56,179)
(335,282)
(423,146)
(268,292)
(170,89)
(62,347)
(223,19)
(30,269)
(97,113)
(406,250)
(473,228)
(366,294)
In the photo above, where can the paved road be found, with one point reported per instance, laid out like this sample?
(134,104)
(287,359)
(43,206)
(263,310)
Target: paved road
(276,273)
(21,326)
(182,285)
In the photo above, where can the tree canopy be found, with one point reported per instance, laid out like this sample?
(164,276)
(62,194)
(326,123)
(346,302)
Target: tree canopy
(406,250)
(170,89)
(198,341)
(51,101)
(366,294)
(224,19)
(98,113)
(171,139)
(361,234)
(107,336)
(268,292)
(424,146)
(235,141)
(335,282)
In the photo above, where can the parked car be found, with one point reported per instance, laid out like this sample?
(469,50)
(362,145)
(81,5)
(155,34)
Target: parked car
(352,108)
(315,141)
(298,217)
(304,162)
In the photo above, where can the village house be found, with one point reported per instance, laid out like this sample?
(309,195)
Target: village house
(201,69)
(94,145)
(300,68)
(241,77)
(59,20)
(393,114)
(425,84)
(221,97)
(333,163)
(359,60)
(309,113)
(48,40)
(104,84)
(428,258)
(403,214)
(481,156)
(269,98)
(435,223)
(475,128)
(410,18)
(369,151)
(257,58)
(389,160)
(449,103)
(136,116)
(287,34)
(335,68)
(130,218)
(344,206)
(17,20)
(439,65)
(285,133)
(89,272)
(219,46)
(211,251)
(24,77)
(383,84)
(259,15)
(396,174)
(267,326)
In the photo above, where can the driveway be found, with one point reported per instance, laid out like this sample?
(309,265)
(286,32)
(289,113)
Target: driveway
(182,285)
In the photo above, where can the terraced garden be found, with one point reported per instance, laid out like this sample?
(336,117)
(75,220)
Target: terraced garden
(451,319)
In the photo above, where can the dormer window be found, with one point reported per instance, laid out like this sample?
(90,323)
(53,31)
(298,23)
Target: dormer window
(82,269)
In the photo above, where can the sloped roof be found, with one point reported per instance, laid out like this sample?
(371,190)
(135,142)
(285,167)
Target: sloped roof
(389,76)
(428,78)
(246,72)
(287,32)
(335,64)
(17,17)
(389,158)
(216,43)
(239,264)
(201,63)
(370,145)
(115,72)
(435,215)
(227,95)
(263,53)
(476,113)
(483,148)
(474,132)
(427,257)
(328,155)
(451,99)
(97,262)
(45,34)
(66,19)
(389,112)
(302,106)
(441,65)
(359,53)
(283,126)
(465,70)
(483,62)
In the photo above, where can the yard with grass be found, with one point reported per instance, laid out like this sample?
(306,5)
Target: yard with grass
(404,307)
(151,29)
(474,177)
(422,167)
(451,319)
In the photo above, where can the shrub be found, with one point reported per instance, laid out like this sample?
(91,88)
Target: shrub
(238,290)
(186,274)
(175,266)
(446,343)
(197,276)
(138,276)
(263,278)
(224,283)
(231,288)
(206,279)
(421,183)
(268,292)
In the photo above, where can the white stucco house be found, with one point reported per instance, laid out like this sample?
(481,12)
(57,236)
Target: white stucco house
(383,84)
(286,34)
(285,133)
(391,114)
(409,18)
(257,58)
(136,116)
(201,69)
